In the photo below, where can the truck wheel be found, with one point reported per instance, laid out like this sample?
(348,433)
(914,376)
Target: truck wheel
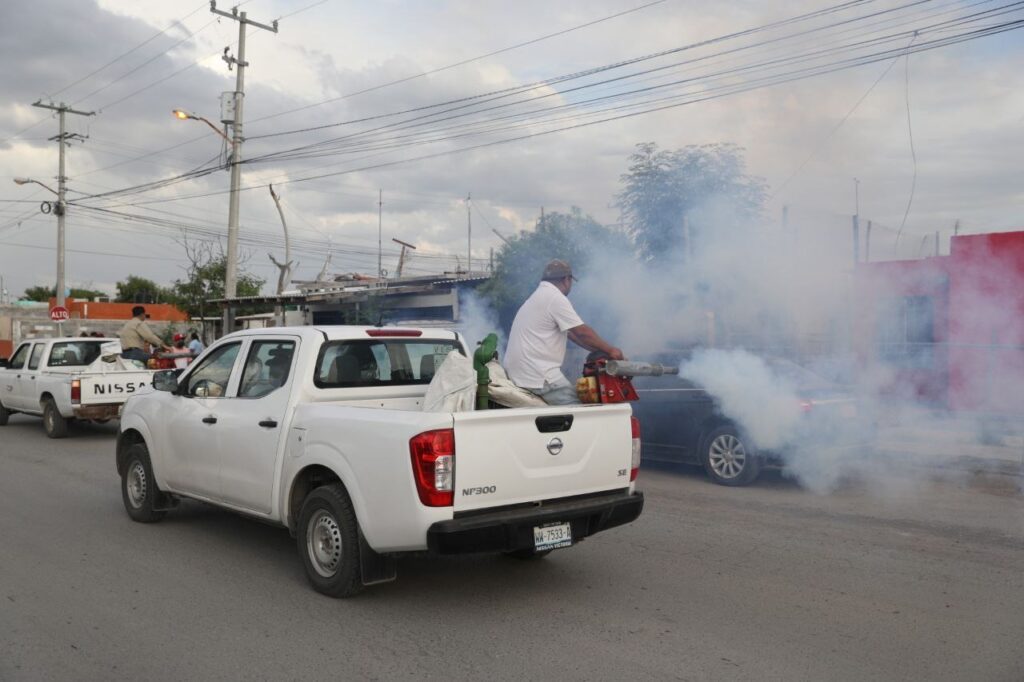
(5,414)
(138,486)
(56,425)
(728,458)
(328,541)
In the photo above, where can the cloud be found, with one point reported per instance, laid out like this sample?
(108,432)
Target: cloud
(962,103)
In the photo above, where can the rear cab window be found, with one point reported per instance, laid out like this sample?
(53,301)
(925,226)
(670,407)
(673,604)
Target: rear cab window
(74,353)
(380,362)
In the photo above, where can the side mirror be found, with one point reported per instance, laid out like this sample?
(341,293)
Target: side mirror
(3,362)
(165,381)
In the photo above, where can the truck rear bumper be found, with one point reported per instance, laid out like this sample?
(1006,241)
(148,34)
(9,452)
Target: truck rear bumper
(108,411)
(512,529)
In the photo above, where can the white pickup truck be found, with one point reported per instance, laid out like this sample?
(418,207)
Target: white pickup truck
(65,379)
(322,430)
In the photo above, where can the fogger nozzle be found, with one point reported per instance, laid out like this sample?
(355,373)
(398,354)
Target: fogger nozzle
(625,368)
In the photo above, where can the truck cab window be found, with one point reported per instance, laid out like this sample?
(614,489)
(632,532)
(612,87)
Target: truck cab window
(210,379)
(37,355)
(380,362)
(19,357)
(74,353)
(266,368)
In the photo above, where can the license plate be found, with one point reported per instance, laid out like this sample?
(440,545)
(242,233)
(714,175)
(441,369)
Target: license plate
(552,536)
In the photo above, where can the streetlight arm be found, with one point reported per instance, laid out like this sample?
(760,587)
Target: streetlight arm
(215,129)
(26,181)
(185,116)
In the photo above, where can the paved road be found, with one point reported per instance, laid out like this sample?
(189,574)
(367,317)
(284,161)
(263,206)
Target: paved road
(764,583)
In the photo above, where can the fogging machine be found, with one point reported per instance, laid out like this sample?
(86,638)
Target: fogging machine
(611,381)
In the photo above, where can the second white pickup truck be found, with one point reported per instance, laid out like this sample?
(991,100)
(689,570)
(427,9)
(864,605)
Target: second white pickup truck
(66,379)
(321,430)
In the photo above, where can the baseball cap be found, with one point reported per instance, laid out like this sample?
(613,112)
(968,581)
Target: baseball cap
(557,269)
(179,337)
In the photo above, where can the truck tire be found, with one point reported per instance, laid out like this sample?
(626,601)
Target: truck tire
(139,491)
(328,541)
(5,414)
(55,424)
(728,458)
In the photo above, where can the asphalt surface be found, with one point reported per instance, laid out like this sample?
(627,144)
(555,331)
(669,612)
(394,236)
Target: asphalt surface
(917,579)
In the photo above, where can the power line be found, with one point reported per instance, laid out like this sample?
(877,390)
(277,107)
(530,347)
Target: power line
(828,67)
(461,63)
(913,154)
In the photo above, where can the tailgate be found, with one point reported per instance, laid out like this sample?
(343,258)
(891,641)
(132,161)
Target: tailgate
(505,457)
(112,387)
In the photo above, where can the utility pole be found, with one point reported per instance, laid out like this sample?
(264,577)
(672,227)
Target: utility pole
(380,248)
(469,233)
(61,207)
(231,269)
(867,244)
(856,221)
(401,256)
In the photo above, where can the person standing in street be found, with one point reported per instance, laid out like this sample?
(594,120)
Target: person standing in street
(195,345)
(536,344)
(135,334)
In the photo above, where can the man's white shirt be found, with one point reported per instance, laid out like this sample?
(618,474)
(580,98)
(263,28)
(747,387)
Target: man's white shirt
(536,345)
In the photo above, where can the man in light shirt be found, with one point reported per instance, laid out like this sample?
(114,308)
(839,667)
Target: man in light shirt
(536,345)
(135,334)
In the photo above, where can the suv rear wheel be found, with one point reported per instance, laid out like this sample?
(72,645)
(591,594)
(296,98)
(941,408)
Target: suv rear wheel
(728,458)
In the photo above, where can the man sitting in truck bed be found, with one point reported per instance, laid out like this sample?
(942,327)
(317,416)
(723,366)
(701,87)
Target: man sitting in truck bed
(536,344)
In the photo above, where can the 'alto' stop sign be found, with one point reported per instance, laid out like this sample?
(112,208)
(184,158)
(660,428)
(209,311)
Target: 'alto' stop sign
(59,313)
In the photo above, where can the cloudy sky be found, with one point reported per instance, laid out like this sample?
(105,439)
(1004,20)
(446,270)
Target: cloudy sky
(520,104)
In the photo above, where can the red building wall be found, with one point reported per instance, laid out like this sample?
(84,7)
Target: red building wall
(969,306)
(91,310)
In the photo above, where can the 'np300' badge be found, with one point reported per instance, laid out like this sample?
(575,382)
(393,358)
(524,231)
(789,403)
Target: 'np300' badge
(555,446)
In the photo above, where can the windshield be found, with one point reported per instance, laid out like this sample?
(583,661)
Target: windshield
(74,353)
(380,362)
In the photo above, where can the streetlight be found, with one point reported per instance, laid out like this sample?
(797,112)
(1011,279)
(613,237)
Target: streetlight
(26,181)
(235,142)
(183,115)
(59,209)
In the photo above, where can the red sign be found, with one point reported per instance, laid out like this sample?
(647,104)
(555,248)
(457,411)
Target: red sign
(59,313)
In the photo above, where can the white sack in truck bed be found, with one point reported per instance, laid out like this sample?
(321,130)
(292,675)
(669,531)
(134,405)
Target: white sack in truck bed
(453,388)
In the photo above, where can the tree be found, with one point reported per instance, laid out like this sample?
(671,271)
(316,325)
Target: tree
(205,280)
(136,289)
(699,186)
(44,294)
(573,236)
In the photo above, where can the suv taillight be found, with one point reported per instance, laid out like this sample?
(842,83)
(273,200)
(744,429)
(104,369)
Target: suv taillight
(635,423)
(433,466)
(76,390)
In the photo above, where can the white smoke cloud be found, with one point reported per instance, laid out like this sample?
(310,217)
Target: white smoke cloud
(765,405)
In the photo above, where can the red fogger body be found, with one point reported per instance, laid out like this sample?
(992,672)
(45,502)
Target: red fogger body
(611,381)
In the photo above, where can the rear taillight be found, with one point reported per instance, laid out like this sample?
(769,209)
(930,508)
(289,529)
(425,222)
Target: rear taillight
(806,405)
(635,464)
(76,391)
(433,466)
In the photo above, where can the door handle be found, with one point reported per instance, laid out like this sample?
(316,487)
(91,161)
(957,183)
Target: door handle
(209,420)
(269,423)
